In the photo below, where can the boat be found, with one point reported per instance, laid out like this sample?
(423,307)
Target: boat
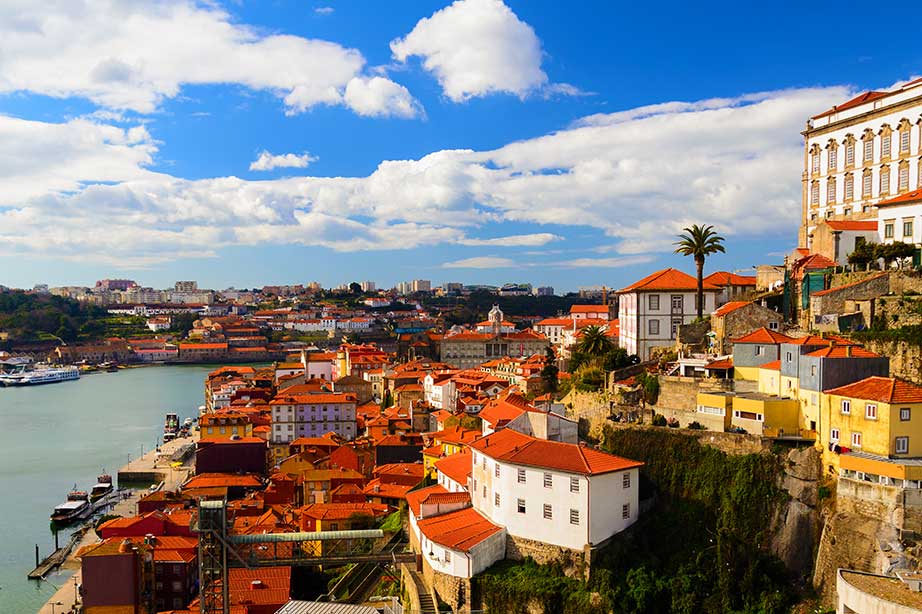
(187,422)
(49,375)
(76,507)
(102,488)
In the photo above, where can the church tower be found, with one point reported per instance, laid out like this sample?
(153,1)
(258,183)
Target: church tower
(496,320)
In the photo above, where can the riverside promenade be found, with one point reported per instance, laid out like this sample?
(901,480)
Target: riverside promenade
(152,464)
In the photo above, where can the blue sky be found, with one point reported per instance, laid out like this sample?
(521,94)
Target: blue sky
(561,144)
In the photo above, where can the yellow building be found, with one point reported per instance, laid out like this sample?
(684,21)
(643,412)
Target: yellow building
(224,425)
(766,414)
(714,410)
(769,377)
(873,426)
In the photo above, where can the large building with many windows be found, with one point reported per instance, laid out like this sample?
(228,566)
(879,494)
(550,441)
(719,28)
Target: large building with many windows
(859,153)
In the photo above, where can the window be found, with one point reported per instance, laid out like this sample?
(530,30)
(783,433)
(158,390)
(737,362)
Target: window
(483,462)
(904,140)
(907,228)
(678,303)
(520,476)
(626,511)
(885,180)
(846,406)
(653,327)
(574,484)
(834,435)
(520,505)
(888,229)
(849,186)
(866,184)
(885,146)
(856,440)
(548,512)
(815,193)
(676,323)
(496,499)
(816,161)
(831,190)
(833,161)
(574,516)
(902,445)
(653,302)
(548,480)
(772,326)
(496,470)
(626,480)
(868,149)
(904,177)
(905,413)
(788,357)
(448,556)
(485,494)
(870,411)
(812,370)
(850,153)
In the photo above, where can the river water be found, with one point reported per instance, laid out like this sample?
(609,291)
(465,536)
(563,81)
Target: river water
(58,435)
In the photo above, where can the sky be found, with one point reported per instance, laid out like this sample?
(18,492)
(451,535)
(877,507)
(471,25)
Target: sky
(245,143)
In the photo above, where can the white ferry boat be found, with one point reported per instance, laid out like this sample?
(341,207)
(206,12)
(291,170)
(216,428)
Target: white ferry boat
(49,375)
(76,507)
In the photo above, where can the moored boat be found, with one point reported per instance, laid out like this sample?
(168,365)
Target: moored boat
(76,507)
(102,488)
(49,375)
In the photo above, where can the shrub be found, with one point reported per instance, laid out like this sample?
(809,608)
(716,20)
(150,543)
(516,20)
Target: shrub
(696,426)
(659,420)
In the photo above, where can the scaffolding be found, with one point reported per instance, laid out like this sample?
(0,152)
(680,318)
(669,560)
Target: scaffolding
(212,557)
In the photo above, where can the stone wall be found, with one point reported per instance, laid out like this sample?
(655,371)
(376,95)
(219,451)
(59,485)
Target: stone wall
(905,359)
(456,592)
(834,302)
(575,563)
(681,393)
(899,310)
(590,410)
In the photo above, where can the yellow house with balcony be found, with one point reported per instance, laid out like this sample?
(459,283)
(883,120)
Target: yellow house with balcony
(224,425)
(873,428)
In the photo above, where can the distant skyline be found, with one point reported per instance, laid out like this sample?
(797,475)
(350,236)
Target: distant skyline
(250,143)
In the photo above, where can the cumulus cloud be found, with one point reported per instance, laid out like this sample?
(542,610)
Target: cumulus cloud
(637,176)
(604,263)
(267,161)
(380,97)
(128,55)
(324,10)
(475,48)
(481,262)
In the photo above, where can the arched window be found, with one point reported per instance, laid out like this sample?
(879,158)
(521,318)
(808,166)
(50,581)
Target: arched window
(866,183)
(815,159)
(832,156)
(831,190)
(903,176)
(885,180)
(886,141)
(868,146)
(849,187)
(905,132)
(814,192)
(849,143)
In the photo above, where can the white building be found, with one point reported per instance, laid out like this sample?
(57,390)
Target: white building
(860,152)
(313,415)
(900,219)
(651,310)
(562,494)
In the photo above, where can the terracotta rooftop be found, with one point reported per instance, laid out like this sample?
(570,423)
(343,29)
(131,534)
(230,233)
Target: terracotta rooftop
(908,197)
(588,309)
(457,466)
(725,278)
(774,365)
(843,351)
(763,335)
(513,447)
(460,530)
(730,307)
(209,480)
(860,99)
(854,225)
(725,363)
(667,279)
(883,389)
(415,497)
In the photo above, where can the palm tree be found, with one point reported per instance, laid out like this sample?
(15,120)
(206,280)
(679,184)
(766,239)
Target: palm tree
(699,242)
(594,342)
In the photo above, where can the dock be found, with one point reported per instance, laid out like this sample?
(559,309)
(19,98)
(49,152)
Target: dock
(157,465)
(57,558)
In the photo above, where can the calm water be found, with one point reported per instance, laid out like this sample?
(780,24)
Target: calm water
(56,435)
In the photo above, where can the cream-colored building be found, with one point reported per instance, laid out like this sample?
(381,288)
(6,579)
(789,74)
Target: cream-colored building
(861,152)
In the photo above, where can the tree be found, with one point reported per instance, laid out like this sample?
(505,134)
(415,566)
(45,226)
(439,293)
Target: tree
(699,242)
(594,341)
(550,371)
(863,253)
(355,288)
(894,252)
(387,400)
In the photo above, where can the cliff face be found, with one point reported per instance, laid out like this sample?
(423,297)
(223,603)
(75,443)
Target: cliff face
(905,358)
(796,522)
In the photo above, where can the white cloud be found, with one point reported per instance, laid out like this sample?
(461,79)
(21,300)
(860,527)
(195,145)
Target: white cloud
(129,55)
(324,10)
(636,176)
(605,263)
(475,48)
(380,97)
(481,262)
(267,161)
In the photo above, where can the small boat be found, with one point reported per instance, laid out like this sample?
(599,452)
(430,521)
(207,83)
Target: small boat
(168,437)
(187,422)
(102,488)
(76,507)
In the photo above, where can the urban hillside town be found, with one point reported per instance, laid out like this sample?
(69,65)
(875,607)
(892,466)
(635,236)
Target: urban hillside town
(517,326)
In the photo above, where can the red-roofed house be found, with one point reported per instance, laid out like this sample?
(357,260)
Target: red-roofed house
(733,287)
(836,239)
(591,312)
(568,495)
(651,310)
(737,318)
(470,349)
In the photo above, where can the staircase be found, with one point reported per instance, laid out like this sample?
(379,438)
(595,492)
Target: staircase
(426,604)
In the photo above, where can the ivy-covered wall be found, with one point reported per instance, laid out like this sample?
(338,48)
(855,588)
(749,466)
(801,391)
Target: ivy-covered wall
(703,548)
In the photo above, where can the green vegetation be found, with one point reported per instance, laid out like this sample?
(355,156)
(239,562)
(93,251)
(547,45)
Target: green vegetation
(550,371)
(36,317)
(473,308)
(704,548)
(865,253)
(880,332)
(699,242)
(465,421)
(393,523)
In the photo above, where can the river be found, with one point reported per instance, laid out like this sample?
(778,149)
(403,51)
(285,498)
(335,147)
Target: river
(56,435)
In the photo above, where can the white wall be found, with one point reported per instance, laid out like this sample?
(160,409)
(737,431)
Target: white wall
(607,496)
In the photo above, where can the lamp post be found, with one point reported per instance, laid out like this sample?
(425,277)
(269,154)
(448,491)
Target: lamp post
(76,592)
(54,603)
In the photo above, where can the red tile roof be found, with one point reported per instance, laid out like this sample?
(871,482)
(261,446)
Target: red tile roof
(343,511)
(513,447)
(210,480)
(854,225)
(377,488)
(730,307)
(460,530)
(854,102)
(414,498)
(725,278)
(588,309)
(724,363)
(457,466)
(821,341)
(774,365)
(854,283)
(313,399)
(839,351)
(883,389)
(908,197)
(763,335)
(667,279)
